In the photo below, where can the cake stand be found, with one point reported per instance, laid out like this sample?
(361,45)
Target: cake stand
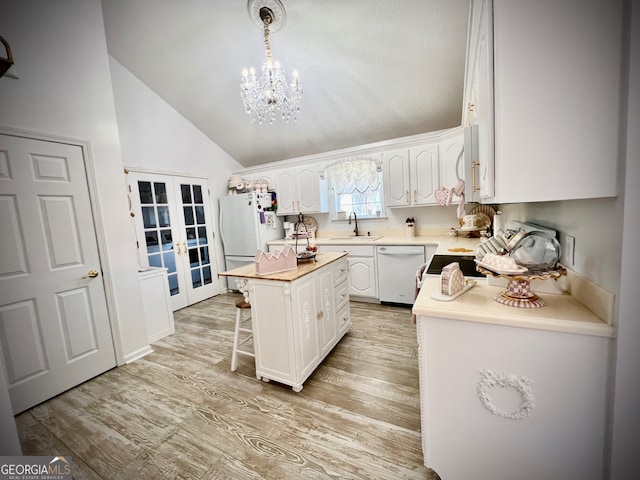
(518,293)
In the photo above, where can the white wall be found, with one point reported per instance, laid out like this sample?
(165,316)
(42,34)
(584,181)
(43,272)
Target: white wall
(64,89)
(596,225)
(155,136)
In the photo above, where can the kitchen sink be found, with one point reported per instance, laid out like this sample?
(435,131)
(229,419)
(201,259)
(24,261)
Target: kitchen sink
(359,237)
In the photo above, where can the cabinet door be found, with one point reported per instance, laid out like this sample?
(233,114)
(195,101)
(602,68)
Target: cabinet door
(306,315)
(564,141)
(327,330)
(479,98)
(395,165)
(362,274)
(452,161)
(285,191)
(424,174)
(308,196)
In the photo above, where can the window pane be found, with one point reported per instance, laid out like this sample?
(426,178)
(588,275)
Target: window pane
(200,215)
(191,236)
(169,261)
(188,215)
(197,194)
(152,241)
(163,216)
(173,284)
(193,257)
(149,217)
(155,261)
(186,193)
(204,255)
(202,235)
(196,280)
(206,274)
(167,240)
(144,188)
(161,192)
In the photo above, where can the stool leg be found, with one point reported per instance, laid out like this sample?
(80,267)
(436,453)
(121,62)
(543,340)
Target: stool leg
(236,335)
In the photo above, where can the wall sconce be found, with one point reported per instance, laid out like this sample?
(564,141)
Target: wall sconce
(5,62)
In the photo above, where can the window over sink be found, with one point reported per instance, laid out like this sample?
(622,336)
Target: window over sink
(357,187)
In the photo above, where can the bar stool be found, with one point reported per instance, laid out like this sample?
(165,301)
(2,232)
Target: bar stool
(241,305)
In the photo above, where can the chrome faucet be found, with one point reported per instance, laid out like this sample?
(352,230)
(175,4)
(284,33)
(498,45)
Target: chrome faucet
(355,217)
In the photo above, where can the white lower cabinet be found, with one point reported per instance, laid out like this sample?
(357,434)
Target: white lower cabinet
(297,323)
(156,302)
(362,269)
(502,402)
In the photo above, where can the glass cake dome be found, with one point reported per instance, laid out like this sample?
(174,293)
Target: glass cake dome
(537,251)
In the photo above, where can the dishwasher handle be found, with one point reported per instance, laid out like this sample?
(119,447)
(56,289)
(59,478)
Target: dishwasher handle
(400,250)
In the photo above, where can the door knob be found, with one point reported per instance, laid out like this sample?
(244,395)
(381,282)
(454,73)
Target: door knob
(91,274)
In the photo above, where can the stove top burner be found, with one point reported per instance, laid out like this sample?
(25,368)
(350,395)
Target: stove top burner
(467,264)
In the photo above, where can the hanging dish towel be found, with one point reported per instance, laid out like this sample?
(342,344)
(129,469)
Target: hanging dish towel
(458,190)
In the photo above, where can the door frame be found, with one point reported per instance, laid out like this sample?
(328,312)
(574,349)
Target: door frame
(98,225)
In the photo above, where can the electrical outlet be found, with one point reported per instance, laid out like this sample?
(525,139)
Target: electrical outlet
(569,250)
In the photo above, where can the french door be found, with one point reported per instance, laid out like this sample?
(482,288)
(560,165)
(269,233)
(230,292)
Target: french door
(172,218)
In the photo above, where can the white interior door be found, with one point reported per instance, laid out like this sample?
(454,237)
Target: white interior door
(54,324)
(174,230)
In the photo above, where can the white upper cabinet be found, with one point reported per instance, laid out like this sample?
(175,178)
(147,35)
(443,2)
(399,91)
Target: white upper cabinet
(451,150)
(478,104)
(300,190)
(424,171)
(395,175)
(557,91)
(411,175)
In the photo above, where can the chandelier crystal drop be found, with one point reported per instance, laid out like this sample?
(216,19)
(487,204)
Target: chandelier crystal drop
(268,95)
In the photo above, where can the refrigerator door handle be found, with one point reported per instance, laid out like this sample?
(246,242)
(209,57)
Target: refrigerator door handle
(220,226)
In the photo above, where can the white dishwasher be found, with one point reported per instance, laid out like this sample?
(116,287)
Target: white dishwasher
(397,267)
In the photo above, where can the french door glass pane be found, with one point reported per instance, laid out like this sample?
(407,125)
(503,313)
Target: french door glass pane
(146,197)
(161,192)
(188,215)
(202,235)
(197,194)
(157,229)
(186,193)
(149,217)
(193,208)
(200,215)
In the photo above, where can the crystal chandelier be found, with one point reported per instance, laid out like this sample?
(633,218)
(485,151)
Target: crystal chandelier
(269,94)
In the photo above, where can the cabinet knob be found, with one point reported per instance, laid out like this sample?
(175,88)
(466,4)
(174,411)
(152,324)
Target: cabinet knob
(320,314)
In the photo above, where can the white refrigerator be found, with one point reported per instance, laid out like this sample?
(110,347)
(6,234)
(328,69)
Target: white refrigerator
(245,227)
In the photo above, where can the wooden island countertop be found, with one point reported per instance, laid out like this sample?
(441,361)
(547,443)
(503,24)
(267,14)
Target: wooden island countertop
(304,268)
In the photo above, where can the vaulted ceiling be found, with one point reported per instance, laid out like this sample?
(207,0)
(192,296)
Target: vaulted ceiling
(371,70)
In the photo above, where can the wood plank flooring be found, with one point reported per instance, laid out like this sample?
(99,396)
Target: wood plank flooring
(181,413)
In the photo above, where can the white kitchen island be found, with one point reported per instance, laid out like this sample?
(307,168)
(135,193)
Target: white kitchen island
(298,316)
(512,393)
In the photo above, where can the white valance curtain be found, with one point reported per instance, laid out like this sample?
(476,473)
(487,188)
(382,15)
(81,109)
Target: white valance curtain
(357,175)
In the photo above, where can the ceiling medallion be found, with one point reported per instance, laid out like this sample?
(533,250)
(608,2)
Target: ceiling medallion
(267,95)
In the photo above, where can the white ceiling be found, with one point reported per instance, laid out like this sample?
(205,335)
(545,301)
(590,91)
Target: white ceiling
(371,70)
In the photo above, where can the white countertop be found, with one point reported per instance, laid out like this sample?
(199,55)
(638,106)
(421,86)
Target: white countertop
(563,313)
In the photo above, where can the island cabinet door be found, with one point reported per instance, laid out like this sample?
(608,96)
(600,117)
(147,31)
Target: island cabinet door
(327,323)
(306,317)
(272,330)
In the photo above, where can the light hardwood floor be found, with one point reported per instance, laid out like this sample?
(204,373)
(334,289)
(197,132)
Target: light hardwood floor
(181,413)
